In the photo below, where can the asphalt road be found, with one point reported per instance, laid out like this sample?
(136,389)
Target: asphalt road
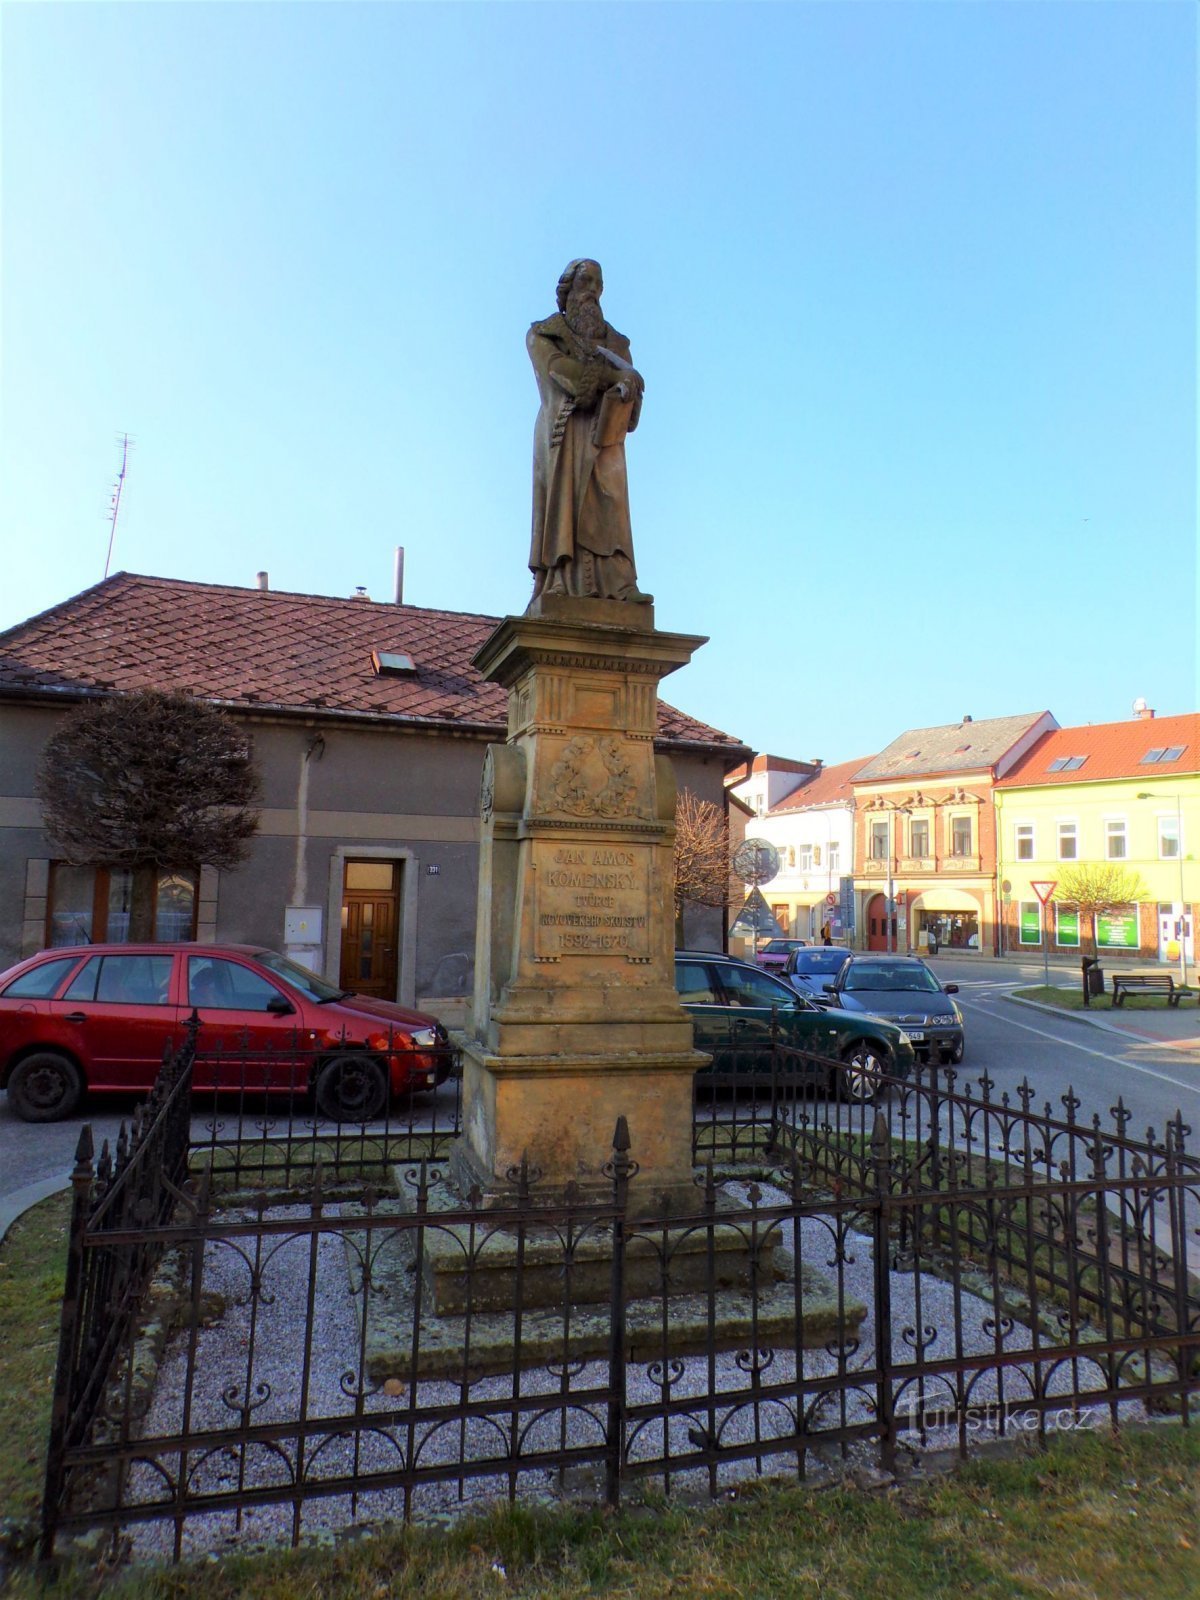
(1058,1054)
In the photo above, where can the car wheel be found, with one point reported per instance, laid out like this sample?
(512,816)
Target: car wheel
(959,1051)
(45,1087)
(859,1077)
(351,1088)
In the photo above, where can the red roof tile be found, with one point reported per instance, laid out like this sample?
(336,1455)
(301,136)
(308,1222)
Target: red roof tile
(831,786)
(1113,750)
(267,648)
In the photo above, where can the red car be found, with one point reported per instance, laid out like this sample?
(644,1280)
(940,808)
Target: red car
(97,1017)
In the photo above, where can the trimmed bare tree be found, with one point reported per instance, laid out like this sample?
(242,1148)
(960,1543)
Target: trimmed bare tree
(148,781)
(702,856)
(1094,887)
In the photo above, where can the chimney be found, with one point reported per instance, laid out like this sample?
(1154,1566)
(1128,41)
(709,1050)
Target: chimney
(399,574)
(360,592)
(967,719)
(262,580)
(1141,710)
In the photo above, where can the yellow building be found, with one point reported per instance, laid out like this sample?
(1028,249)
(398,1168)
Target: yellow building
(1121,795)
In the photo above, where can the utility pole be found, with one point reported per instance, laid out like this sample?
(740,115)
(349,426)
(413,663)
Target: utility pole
(114,504)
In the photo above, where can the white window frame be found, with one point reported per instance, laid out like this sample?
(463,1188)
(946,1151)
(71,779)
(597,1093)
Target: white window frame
(914,822)
(806,858)
(1022,907)
(1024,830)
(833,856)
(960,816)
(1168,828)
(880,834)
(1111,824)
(1072,824)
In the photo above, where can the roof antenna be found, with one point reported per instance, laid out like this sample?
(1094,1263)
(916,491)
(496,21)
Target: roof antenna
(114,504)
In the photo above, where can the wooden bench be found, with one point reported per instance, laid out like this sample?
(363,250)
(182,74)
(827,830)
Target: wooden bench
(1146,983)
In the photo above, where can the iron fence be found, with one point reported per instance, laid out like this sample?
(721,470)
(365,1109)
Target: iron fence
(849,1282)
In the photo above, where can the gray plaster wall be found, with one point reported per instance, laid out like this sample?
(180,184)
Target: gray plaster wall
(331,791)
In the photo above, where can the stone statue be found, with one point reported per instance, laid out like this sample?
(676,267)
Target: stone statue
(591,398)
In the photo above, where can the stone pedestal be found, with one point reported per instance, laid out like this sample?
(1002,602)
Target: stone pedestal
(575,1018)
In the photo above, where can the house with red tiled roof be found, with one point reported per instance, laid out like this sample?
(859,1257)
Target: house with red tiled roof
(925,846)
(1123,796)
(812,827)
(369,722)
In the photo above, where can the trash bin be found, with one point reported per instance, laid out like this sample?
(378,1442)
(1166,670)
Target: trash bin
(1093,978)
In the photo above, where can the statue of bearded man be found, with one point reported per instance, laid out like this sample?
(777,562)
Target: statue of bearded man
(591,398)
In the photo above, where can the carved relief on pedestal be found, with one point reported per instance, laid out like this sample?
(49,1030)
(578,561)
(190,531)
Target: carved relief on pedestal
(593,777)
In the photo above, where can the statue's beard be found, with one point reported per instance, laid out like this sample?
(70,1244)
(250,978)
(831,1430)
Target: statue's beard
(584,316)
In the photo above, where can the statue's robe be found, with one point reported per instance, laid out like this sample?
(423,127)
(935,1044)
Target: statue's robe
(582,542)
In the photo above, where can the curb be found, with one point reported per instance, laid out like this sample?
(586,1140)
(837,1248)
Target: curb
(14,1206)
(1087,1021)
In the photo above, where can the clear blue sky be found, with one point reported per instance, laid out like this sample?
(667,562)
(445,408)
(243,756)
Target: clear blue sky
(913,288)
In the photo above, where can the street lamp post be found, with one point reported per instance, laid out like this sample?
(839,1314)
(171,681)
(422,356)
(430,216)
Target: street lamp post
(1178,799)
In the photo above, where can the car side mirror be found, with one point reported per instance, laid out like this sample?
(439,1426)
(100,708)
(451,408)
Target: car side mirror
(950,988)
(279,1007)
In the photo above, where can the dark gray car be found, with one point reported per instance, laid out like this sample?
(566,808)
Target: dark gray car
(905,991)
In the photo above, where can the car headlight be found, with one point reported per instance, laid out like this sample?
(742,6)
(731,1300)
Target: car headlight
(425,1038)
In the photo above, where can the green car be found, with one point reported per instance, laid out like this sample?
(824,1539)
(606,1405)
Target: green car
(732,1005)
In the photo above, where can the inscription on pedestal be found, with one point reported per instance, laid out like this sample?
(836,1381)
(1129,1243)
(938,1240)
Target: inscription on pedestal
(592,900)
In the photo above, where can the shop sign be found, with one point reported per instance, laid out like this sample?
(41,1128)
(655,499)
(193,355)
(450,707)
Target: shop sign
(1031,922)
(1067,926)
(1117,930)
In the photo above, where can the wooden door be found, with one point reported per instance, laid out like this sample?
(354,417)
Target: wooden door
(371,928)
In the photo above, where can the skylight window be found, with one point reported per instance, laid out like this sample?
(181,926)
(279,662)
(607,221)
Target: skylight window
(1171,752)
(1066,764)
(392,663)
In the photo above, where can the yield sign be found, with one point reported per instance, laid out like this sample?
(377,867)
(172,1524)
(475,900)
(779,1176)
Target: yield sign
(1044,889)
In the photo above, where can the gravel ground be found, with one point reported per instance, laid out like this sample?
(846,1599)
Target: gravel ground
(272,1387)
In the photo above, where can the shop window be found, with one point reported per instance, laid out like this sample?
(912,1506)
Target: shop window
(783,917)
(1117,928)
(960,836)
(1168,838)
(879,841)
(1030,922)
(1024,841)
(1114,838)
(1066,927)
(1068,842)
(92,905)
(918,838)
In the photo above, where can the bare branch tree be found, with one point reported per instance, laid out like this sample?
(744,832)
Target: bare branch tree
(1094,887)
(702,856)
(148,781)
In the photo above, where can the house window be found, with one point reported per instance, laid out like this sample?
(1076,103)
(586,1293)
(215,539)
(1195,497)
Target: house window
(1030,913)
(1024,841)
(783,917)
(918,838)
(1114,838)
(92,905)
(806,857)
(879,841)
(1066,926)
(1168,838)
(960,836)
(833,860)
(1068,843)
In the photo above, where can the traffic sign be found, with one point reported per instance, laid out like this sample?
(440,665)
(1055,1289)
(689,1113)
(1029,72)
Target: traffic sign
(1044,889)
(831,899)
(756,917)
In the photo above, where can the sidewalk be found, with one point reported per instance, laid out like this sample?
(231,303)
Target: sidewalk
(1176,1028)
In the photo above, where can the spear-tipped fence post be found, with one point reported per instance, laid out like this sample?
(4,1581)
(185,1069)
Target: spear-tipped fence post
(881,1171)
(82,1179)
(620,1169)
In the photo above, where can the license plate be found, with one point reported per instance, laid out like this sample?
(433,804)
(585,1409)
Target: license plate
(915,1035)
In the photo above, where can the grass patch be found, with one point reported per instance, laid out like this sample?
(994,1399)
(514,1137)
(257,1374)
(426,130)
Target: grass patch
(32,1266)
(1072,999)
(1091,1518)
